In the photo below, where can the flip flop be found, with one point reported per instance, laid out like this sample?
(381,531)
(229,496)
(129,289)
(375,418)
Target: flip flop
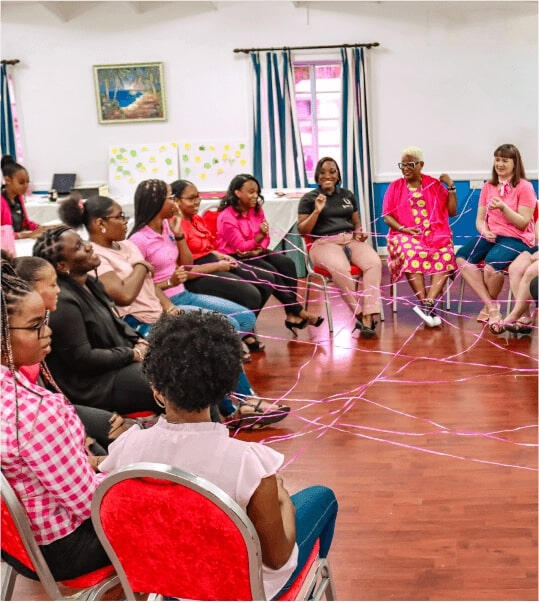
(251,415)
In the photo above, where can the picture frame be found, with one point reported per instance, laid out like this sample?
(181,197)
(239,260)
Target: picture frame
(130,92)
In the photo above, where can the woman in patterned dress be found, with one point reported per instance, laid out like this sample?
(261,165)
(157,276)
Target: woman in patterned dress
(416,209)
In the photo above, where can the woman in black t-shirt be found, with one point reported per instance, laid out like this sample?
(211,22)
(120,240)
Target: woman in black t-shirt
(329,215)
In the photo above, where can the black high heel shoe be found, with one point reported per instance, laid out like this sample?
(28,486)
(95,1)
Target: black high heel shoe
(317,322)
(254,346)
(296,325)
(366,332)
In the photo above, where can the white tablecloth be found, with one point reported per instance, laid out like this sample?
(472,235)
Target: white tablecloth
(281,213)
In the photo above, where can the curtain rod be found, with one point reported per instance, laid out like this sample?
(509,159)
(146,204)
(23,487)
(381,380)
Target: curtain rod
(365,44)
(9,61)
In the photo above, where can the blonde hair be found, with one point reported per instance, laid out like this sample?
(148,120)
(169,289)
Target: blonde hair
(413,152)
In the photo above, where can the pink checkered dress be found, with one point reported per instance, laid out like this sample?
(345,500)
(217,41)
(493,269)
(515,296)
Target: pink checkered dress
(47,467)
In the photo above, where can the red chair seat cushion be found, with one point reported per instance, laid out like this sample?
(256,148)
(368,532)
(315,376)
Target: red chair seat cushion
(295,587)
(354,271)
(139,415)
(12,544)
(90,579)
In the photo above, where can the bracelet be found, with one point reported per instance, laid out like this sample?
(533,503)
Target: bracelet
(180,238)
(138,355)
(168,284)
(452,189)
(401,228)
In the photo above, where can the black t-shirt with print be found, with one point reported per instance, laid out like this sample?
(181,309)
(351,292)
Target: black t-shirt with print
(337,214)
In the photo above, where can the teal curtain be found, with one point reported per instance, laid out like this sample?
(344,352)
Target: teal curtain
(7,130)
(277,151)
(356,156)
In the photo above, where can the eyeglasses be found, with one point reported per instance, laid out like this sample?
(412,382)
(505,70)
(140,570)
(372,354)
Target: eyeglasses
(172,196)
(121,216)
(407,164)
(40,327)
(191,198)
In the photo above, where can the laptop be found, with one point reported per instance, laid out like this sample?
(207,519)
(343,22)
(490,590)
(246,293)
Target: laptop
(63,183)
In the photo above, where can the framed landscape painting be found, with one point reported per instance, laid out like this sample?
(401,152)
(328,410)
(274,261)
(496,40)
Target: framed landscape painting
(130,92)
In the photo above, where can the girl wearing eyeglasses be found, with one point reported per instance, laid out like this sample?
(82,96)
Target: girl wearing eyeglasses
(417,208)
(42,443)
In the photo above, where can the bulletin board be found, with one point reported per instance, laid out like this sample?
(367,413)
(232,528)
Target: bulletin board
(211,165)
(129,164)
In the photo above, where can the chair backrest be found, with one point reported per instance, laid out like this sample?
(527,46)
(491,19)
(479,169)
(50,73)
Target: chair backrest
(209,217)
(18,540)
(170,532)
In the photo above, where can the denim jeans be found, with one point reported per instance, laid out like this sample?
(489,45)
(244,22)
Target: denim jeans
(226,406)
(241,318)
(316,512)
(498,254)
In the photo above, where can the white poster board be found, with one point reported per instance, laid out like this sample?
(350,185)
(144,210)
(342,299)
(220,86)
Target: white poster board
(129,164)
(211,165)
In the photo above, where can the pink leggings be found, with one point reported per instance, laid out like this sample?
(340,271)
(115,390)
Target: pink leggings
(329,253)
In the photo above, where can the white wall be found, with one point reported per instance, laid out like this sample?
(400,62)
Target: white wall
(456,78)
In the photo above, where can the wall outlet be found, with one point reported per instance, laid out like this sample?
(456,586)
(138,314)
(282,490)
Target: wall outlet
(476,183)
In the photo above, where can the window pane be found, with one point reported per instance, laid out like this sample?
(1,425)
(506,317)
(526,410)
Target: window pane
(328,78)
(302,78)
(328,105)
(334,152)
(329,132)
(311,158)
(303,108)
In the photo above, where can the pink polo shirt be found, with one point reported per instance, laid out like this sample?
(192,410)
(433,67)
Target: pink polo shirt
(521,194)
(236,232)
(161,251)
(146,307)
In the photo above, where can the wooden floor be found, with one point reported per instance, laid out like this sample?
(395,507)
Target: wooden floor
(428,438)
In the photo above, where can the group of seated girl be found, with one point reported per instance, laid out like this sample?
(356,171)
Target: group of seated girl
(183,366)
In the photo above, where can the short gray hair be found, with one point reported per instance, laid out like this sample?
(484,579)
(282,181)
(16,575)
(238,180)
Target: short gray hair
(413,152)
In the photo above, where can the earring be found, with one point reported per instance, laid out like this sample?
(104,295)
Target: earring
(158,400)
(103,230)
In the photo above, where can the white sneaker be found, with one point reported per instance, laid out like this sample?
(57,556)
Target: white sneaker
(428,320)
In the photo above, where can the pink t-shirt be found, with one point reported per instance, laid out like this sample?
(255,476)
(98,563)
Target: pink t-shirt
(236,232)
(521,194)
(146,307)
(161,251)
(207,450)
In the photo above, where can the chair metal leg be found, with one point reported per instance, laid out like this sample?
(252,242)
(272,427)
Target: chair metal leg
(394,296)
(307,290)
(448,295)
(328,306)
(95,593)
(509,296)
(9,575)
(461,296)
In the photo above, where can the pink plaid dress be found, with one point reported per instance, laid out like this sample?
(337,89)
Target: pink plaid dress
(45,462)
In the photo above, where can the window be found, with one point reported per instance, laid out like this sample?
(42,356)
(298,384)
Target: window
(318,106)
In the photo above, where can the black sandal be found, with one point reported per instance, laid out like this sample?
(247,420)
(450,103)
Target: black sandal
(254,346)
(250,415)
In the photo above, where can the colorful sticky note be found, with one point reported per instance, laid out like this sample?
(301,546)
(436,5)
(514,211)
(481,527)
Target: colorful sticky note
(203,176)
(122,150)
(187,171)
(131,179)
(185,157)
(168,161)
(144,148)
(133,153)
(242,162)
(114,151)
(112,160)
(187,146)
(197,158)
(152,159)
(173,144)
(162,148)
(207,165)
(226,147)
(224,155)
(237,153)
(242,146)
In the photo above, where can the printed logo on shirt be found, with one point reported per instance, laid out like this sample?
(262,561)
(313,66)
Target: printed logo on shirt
(346,202)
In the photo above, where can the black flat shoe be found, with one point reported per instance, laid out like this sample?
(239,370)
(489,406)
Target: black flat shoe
(296,325)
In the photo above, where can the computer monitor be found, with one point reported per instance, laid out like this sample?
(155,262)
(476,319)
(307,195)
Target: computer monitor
(63,183)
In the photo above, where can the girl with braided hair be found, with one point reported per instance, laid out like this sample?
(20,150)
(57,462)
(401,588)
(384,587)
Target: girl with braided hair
(42,443)
(95,356)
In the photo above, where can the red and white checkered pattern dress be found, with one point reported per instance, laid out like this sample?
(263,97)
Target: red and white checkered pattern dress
(47,467)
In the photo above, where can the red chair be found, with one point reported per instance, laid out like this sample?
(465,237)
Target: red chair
(196,542)
(18,541)
(325,277)
(209,218)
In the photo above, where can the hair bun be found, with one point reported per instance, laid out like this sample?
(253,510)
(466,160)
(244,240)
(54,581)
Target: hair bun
(6,160)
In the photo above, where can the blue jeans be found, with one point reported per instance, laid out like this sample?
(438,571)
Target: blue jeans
(498,254)
(316,512)
(241,318)
(226,406)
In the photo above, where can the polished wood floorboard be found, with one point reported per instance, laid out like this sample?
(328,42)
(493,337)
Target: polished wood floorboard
(428,438)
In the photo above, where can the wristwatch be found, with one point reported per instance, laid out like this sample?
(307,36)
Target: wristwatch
(180,238)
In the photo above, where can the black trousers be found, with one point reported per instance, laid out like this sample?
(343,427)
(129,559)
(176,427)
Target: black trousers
(131,392)
(233,285)
(74,555)
(278,272)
